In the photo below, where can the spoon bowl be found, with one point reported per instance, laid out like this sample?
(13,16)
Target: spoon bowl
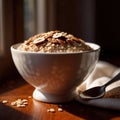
(99,91)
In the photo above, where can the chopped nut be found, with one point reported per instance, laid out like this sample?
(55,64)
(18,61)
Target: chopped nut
(57,35)
(60,41)
(54,41)
(38,41)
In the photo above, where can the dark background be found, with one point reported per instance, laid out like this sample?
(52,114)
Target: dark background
(108,28)
(92,20)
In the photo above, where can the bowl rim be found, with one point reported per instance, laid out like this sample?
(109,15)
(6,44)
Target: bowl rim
(95,47)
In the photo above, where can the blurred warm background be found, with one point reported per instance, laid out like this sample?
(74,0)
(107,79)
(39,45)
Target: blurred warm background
(94,21)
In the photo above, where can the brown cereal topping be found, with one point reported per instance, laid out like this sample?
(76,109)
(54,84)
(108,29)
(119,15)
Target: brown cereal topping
(54,41)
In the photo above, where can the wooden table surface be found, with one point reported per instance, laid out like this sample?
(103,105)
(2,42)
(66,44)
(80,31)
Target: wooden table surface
(11,91)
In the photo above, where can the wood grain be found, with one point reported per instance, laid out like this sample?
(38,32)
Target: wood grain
(38,110)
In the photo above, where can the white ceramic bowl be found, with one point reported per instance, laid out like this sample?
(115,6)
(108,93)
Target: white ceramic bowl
(55,76)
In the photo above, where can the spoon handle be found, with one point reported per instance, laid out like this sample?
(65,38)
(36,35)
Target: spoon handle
(114,79)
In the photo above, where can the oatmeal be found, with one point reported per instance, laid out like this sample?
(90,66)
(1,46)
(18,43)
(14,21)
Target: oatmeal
(54,41)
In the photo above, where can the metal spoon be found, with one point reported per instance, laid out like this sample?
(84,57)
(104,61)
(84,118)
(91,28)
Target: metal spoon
(99,91)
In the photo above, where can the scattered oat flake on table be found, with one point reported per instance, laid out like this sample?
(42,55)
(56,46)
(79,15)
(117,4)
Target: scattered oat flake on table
(60,109)
(13,103)
(29,97)
(4,101)
(20,103)
(24,100)
(51,110)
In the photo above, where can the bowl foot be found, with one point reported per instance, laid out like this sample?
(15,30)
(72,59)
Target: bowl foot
(51,98)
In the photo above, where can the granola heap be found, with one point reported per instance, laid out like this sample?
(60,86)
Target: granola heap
(54,42)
